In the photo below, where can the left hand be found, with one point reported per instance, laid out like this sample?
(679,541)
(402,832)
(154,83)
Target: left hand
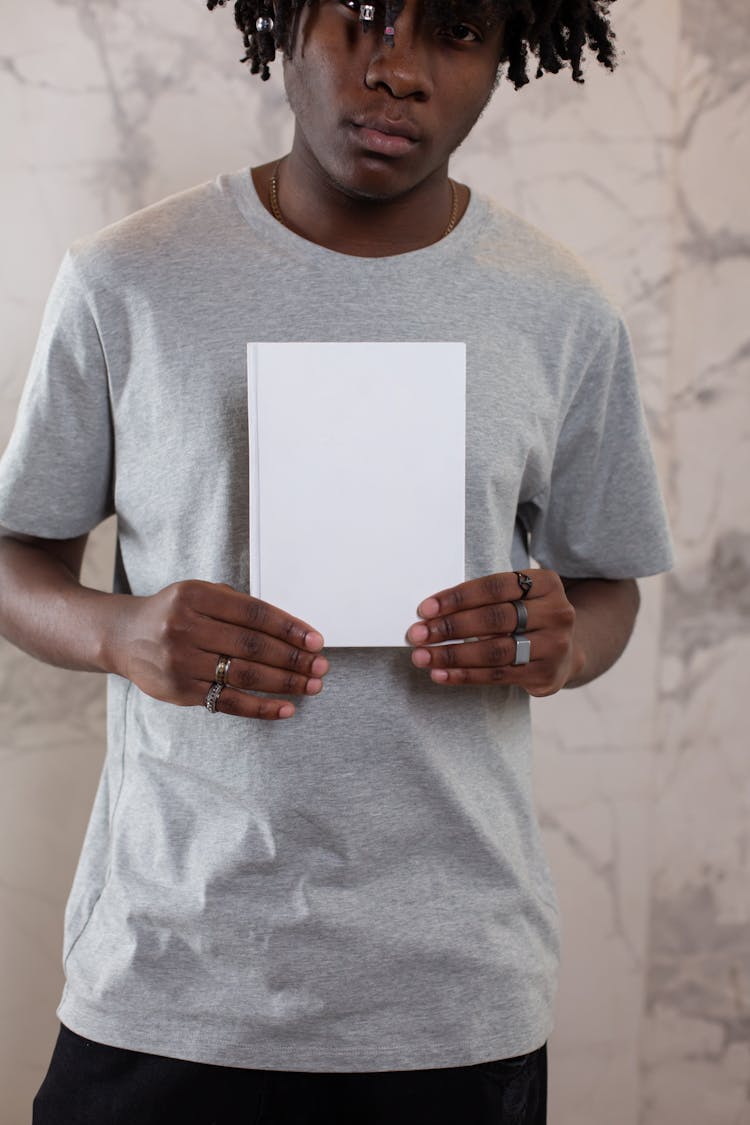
(482,609)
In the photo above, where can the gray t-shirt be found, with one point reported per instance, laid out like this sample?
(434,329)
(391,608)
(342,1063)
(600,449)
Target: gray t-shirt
(362,887)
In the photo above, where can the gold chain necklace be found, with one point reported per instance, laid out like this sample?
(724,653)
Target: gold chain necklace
(273,196)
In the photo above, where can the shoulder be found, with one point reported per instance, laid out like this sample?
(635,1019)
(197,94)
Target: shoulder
(160,237)
(540,276)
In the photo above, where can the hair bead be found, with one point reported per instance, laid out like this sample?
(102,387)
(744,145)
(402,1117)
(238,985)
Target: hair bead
(366,15)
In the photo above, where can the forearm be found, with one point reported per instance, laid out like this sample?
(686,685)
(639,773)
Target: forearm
(605,616)
(45,611)
(167,643)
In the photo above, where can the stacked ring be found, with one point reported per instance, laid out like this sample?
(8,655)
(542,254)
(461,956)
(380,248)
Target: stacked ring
(213,697)
(523,649)
(222,669)
(522,617)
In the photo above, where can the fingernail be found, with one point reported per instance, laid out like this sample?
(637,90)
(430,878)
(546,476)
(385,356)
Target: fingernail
(439,675)
(286,711)
(421,657)
(429,608)
(314,686)
(314,641)
(418,634)
(319,666)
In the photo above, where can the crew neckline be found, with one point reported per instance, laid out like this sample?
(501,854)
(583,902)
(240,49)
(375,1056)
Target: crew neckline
(245,196)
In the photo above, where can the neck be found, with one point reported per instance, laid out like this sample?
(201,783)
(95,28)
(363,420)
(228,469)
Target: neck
(324,212)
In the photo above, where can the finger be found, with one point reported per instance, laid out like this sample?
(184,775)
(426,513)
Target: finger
(488,620)
(502,587)
(220,602)
(252,676)
(483,655)
(459,677)
(216,637)
(537,680)
(480,654)
(242,705)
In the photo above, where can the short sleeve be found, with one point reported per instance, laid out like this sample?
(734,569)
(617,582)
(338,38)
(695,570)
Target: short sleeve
(602,514)
(56,474)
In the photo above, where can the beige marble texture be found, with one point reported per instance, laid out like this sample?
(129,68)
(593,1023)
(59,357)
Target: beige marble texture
(643,778)
(695,1048)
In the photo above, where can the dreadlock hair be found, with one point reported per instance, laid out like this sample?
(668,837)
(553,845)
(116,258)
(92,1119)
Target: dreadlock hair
(556,32)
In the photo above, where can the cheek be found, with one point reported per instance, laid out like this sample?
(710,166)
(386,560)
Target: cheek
(292,84)
(473,97)
(314,88)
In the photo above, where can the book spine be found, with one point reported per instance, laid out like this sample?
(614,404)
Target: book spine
(253,376)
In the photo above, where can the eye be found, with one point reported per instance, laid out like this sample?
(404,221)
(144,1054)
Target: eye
(459,32)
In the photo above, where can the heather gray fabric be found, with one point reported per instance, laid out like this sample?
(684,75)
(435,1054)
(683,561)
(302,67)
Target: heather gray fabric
(363,887)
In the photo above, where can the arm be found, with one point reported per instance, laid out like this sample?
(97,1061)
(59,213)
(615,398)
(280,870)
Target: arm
(577,629)
(605,613)
(43,608)
(167,643)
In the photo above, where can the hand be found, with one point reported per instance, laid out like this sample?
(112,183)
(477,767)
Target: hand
(168,644)
(482,610)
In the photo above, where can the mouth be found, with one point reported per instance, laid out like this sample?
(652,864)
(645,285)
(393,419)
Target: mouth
(391,138)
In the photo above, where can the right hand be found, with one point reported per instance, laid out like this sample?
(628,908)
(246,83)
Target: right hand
(169,643)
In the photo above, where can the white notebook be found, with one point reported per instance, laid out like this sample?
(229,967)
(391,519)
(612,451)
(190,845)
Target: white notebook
(357,482)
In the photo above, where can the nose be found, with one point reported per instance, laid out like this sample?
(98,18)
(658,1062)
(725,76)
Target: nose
(404,68)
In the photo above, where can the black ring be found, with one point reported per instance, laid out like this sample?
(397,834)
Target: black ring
(524,582)
(522,615)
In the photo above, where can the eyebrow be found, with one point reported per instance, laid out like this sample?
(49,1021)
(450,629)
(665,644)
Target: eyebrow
(483,10)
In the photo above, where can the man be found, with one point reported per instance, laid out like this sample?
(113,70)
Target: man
(345,913)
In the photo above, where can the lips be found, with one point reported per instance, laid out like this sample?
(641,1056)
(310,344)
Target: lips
(384,137)
(398,128)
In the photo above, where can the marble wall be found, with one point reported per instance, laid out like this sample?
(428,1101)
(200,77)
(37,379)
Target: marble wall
(695,1044)
(642,782)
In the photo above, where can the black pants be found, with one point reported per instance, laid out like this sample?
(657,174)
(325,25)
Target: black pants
(91,1084)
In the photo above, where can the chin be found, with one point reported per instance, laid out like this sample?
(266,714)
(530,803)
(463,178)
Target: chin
(365,193)
(375,187)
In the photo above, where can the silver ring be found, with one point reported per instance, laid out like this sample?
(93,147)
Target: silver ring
(522,617)
(222,669)
(523,649)
(213,697)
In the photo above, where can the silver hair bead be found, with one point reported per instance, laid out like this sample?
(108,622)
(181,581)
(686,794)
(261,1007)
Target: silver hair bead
(367,13)
(264,23)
